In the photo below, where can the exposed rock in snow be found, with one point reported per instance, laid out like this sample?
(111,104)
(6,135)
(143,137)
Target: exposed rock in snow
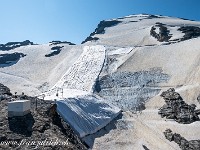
(101,29)
(190,32)
(56,50)
(7,60)
(36,73)
(175,108)
(163,34)
(60,42)
(181,141)
(134,30)
(12,45)
(4,90)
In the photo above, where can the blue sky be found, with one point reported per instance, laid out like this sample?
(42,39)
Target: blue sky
(42,21)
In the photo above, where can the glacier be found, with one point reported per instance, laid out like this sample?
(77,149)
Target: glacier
(84,111)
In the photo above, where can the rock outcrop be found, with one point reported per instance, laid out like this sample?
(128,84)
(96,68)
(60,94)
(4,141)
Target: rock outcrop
(190,32)
(4,90)
(181,141)
(163,35)
(10,59)
(60,42)
(55,51)
(175,108)
(12,45)
(101,29)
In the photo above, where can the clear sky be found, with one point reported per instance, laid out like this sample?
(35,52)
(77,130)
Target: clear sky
(41,21)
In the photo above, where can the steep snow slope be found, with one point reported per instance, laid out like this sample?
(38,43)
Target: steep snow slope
(35,73)
(82,74)
(85,112)
(146,54)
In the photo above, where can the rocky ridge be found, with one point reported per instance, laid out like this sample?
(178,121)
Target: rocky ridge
(12,45)
(43,124)
(60,42)
(101,29)
(10,59)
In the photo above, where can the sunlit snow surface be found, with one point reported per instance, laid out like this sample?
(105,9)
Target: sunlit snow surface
(85,112)
(83,73)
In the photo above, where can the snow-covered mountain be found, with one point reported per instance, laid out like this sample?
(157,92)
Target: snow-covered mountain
(36,68)
(127,62)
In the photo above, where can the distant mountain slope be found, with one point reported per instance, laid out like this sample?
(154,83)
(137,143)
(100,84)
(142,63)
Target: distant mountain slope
(146,54)
(144,29)
(35,68)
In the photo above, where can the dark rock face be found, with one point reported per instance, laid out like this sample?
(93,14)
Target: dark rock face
(198,99)
(145,148)
(90,38)
(190,32)
(43,124)
(130,90)
(175,108)
(4,90)
(12,45)
(56,50)
(101,29)
(163,35)
(22,125)
(153,16)
(181,141)
(147,16)
(10,59)
(60,42)
(105,24)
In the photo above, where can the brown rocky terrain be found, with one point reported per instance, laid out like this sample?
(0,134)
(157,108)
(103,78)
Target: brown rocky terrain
(41,129)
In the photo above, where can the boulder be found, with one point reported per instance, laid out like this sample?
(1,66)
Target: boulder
(183,143)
